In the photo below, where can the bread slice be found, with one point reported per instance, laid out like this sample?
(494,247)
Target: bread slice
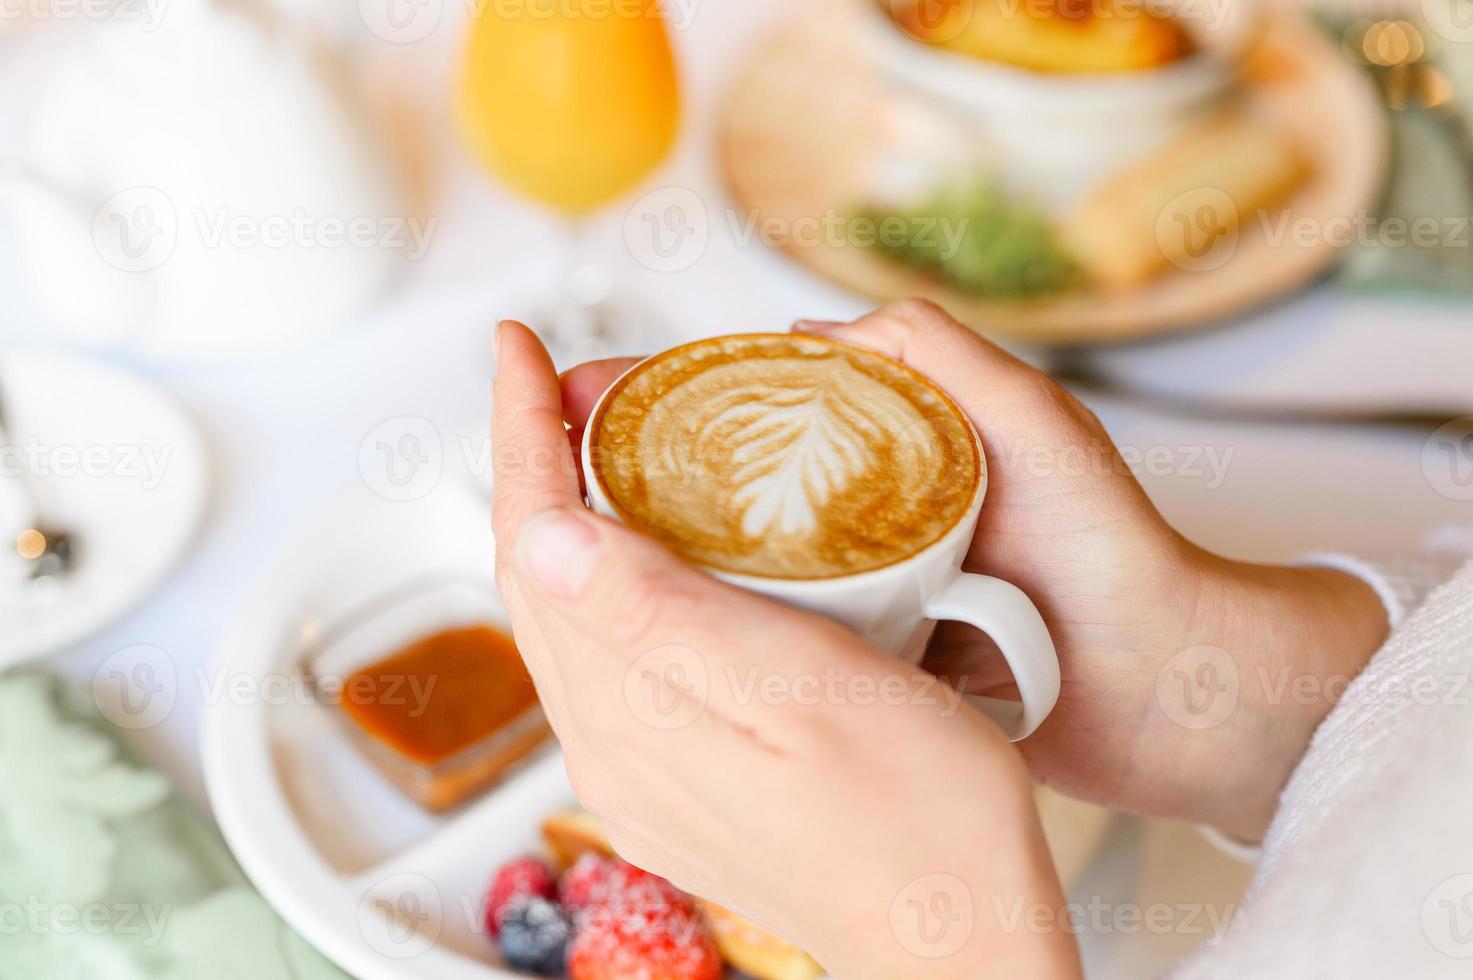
(570,834)
(754,950)
(1183,205)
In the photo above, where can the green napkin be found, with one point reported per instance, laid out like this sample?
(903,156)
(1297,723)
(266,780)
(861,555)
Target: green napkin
(106,873)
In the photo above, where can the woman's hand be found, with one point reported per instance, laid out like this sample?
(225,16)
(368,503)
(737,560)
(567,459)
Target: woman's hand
(756,755)
(1182,671)
(1174,660)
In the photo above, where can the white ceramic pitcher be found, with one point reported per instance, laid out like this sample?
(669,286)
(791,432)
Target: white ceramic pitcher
(198,186)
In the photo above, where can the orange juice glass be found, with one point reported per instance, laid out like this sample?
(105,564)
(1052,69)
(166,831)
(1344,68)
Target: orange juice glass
(570,102)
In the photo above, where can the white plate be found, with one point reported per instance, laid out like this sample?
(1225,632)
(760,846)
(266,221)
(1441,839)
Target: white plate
(114,459)
(383,888)
(1326,352)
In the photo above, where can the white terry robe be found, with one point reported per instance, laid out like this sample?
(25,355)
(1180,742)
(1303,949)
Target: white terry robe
(1367,868)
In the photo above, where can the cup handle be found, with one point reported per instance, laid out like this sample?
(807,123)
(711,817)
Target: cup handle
(1003,612)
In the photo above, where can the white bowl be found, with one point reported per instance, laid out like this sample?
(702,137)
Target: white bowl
(1058,133)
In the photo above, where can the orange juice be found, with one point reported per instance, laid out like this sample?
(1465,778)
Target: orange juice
(571,102)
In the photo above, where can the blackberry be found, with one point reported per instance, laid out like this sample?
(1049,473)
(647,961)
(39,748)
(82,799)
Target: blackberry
(519,876)
(534,935)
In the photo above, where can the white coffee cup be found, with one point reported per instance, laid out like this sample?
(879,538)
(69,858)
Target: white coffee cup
(897,607)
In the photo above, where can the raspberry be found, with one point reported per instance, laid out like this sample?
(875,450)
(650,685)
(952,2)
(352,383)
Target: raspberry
(517,877)
(592,880)
(648,930)
(534,935)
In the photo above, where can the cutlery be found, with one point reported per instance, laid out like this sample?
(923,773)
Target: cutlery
(49,549)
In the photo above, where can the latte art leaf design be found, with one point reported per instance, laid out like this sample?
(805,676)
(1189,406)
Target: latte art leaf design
(784,456)
(792,450)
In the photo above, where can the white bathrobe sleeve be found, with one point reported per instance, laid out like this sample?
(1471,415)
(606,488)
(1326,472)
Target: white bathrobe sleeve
(1367,869)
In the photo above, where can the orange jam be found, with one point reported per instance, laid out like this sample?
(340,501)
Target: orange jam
(456,707)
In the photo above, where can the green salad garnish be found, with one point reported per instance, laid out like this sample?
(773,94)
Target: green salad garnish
(975,238)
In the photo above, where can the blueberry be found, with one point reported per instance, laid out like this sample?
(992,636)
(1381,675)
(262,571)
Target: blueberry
(534,935)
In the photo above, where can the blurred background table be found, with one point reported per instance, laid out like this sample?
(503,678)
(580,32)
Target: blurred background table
(286,430)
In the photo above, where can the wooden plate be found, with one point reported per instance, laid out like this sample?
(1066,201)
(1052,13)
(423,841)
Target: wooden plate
(809,118)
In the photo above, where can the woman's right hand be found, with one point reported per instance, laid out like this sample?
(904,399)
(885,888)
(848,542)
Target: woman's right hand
(730,742)
(1173,659)
(1183,672)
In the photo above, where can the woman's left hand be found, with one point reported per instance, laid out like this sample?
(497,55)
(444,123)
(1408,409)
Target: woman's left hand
(757,755)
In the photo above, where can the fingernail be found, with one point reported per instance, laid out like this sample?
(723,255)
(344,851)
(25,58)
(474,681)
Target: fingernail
(815,326)
(496,348)
(558,551)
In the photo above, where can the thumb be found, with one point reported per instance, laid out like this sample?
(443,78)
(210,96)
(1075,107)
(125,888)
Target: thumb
(630,592)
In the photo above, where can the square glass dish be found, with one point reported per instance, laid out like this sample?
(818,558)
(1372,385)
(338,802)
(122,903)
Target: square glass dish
(431,689)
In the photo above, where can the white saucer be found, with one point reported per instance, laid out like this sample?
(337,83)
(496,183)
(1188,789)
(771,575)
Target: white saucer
(386,890)
(115,460)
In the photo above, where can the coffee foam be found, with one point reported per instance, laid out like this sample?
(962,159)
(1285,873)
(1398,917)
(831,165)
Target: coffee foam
(785,456)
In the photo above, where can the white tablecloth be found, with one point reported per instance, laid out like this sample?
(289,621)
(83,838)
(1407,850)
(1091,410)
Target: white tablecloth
(286,430)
